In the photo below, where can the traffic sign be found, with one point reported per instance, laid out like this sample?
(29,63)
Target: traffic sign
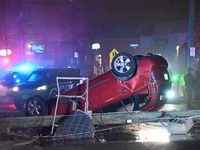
(113,53)
(134,45)
(192,51)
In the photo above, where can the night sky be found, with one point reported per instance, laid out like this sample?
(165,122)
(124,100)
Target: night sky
(127,14)
(120,18)
(94,18)
(81,22)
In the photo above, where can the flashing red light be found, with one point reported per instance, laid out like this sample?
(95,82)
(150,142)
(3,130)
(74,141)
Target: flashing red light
(1,85)
(6,60)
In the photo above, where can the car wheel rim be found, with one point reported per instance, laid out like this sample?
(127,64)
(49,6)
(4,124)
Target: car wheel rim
(34,107)
(122,64)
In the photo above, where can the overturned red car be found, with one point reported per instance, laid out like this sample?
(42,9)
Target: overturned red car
(140,80)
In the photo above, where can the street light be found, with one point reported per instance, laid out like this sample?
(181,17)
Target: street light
(177,48)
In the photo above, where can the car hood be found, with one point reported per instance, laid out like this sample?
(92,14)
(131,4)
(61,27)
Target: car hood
(30,85)
(7,83)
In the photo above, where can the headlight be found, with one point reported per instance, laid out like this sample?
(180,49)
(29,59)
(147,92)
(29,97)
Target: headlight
(15,89)
(44,87)
(170,94)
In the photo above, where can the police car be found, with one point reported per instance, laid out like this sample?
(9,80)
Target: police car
(39,86)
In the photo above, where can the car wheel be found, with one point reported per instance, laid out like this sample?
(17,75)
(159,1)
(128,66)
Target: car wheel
(124,66)
(36,106)
(140,101)
(53,94)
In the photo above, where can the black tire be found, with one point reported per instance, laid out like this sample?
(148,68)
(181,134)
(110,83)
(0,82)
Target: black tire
(36,106)
(124,66)
(140,101)
(53,94)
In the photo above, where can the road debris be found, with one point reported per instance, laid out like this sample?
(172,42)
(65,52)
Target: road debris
(76,126)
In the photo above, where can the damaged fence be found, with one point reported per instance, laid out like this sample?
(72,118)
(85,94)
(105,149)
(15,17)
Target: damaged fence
(78,124)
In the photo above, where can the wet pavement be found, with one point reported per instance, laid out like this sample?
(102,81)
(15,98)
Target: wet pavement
(142,136)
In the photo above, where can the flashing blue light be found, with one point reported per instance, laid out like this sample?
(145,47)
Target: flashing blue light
(18,81)
(25,68)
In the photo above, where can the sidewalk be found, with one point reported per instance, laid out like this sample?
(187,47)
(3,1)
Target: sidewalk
(180,104)
(179,100)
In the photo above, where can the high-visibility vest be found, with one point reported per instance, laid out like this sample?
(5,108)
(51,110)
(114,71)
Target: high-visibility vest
(181,81)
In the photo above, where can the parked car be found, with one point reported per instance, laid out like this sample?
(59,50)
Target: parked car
(141,80)
(40,86)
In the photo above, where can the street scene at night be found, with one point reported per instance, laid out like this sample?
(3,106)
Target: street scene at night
(91,74)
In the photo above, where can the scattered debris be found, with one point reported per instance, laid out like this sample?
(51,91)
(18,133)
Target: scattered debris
(80,126)
(179,125)
(76,126)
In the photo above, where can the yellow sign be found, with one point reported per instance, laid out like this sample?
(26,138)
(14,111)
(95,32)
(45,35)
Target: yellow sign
(113,53)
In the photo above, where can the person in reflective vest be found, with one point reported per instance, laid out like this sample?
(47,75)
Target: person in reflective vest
(182,86)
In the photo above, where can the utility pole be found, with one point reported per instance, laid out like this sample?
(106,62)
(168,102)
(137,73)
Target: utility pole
(5,29)
(21,17)
(190,29)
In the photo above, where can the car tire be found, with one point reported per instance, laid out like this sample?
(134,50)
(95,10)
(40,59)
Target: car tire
(124,66)
(53,94)
(36,106)
(140,101)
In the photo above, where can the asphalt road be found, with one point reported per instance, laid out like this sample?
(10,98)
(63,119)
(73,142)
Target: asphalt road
(8,109)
